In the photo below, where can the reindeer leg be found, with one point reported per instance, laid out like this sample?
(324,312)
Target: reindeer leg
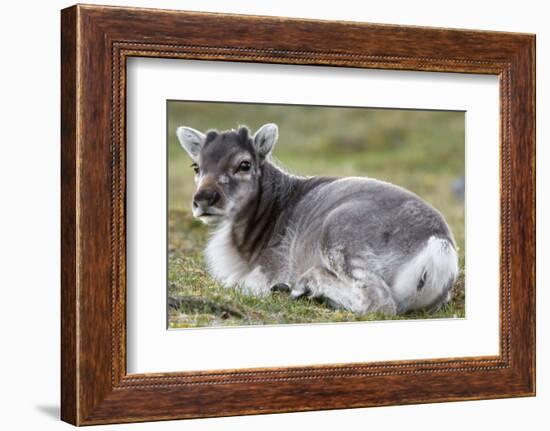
(367,295)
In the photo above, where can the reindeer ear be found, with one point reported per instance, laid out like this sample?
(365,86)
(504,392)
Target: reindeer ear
(191,141)
(265,139)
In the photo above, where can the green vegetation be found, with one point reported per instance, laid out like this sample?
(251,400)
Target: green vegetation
(420,150)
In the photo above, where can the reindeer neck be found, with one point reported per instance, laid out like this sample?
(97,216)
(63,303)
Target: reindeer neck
(262,220)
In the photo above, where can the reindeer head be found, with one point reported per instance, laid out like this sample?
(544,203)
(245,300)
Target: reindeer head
(228,168)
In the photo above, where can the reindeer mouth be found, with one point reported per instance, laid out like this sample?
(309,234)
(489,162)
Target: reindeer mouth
(208,214)
(209,217)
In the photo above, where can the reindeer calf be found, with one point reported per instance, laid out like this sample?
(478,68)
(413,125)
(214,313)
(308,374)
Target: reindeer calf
(357,243)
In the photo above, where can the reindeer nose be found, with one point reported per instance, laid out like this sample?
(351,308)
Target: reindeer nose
(205,198)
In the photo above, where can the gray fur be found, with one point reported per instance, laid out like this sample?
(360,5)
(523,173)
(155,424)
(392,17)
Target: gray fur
(265,139)
(191,140)
(357,243)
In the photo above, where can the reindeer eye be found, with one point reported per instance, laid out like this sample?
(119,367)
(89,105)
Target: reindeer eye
(195,168)
(244,166)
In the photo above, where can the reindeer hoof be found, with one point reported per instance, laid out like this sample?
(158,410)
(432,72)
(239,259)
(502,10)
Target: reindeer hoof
(280,288)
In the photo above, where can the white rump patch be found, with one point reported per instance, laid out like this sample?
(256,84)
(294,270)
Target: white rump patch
(437,263)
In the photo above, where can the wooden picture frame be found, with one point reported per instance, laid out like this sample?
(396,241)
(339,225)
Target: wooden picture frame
(95,43)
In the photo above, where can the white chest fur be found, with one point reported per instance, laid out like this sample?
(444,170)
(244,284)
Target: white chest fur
(227,266)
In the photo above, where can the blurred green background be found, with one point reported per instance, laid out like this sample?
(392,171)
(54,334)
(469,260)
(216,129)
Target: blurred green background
(422,151)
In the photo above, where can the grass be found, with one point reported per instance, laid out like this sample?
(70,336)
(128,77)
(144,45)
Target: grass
(420,150)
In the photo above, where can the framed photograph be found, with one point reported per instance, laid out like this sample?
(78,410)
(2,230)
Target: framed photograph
(263,214)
